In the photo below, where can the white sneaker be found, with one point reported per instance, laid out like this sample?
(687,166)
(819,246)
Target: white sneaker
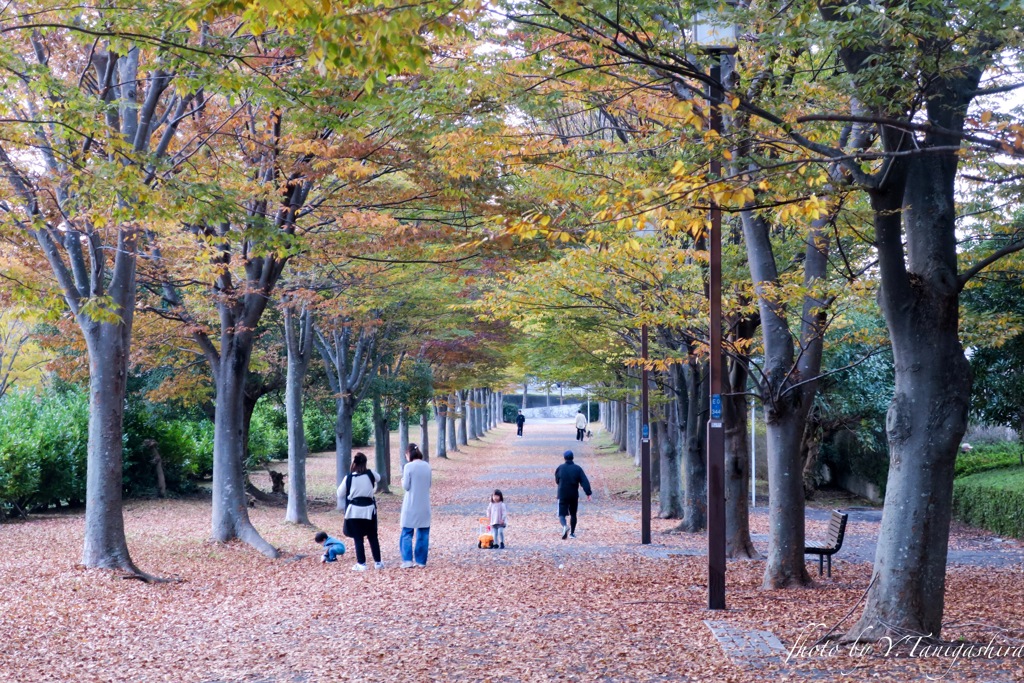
(378,565)
(421,566)
(565,532)
(407,565)
(359,567)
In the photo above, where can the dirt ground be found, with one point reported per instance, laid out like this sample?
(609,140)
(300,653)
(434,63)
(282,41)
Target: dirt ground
(596,608)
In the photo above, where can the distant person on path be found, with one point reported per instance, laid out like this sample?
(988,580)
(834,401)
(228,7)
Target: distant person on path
(581,425)
(361,511)
(520,419)
(332,546)
(498,515)
(569,476)
(415,509)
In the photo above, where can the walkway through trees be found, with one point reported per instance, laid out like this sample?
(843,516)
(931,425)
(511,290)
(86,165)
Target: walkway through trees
(599,607)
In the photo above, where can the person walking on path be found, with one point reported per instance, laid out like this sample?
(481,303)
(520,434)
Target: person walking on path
(361,511)
(520,419)
(570,477)
(497,515)
(416,479)
(581,425)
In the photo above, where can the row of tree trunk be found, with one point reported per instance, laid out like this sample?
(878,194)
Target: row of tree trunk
(678,418)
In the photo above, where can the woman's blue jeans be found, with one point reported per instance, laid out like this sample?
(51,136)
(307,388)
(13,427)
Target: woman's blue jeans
(422,544)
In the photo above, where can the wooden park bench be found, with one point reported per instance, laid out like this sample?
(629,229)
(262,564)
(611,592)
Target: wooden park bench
(832,544)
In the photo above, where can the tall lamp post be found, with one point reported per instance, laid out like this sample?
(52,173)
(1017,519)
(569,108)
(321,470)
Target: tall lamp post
(645,444)
(714,36)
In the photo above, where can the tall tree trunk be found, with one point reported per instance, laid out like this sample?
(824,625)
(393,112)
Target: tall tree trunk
(464,417)
(613,417)
(108,345)
(381,444)
(403,437)
(928,414)
(633,436)
(526,388)
(230,509)
(343,440)
(695,470)
(481,413)
(810,446)
(791,380)
(670,494)
(425,431)
(485,411)
(623,431)
(470,410)
(655,455)
(350,365)
(471,414)
(442,427)
(299,343)
(737,460)
(453,438)
(785,499)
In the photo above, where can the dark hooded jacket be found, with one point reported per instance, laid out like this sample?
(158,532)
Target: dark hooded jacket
(569,476)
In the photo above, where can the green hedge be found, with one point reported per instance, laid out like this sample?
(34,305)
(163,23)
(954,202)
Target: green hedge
(362,424)
(44,444)
(992,500)
(987,457)
(43,448)
(318,423)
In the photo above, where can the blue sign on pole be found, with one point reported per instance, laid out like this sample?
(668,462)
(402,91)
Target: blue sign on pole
(647,432)
(716,406)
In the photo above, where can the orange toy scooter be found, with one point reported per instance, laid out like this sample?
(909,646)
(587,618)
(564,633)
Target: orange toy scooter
(485,539)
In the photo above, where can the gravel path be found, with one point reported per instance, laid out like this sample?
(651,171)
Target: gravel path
(529,490)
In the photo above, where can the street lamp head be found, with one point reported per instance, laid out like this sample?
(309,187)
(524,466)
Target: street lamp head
(713,32)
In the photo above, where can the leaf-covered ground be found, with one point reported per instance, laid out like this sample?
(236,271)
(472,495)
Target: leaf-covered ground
(599,607)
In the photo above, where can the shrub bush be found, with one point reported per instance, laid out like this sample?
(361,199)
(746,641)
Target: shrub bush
(197,437)
(318,424)
(19,474)
(987,456)
(509,411)
(992,500)
(43,447)
(362,424)
(268,434)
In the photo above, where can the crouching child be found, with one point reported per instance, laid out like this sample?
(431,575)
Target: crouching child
(332,546)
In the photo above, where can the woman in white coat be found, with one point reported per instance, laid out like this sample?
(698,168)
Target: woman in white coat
(356,493)
(415,510)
